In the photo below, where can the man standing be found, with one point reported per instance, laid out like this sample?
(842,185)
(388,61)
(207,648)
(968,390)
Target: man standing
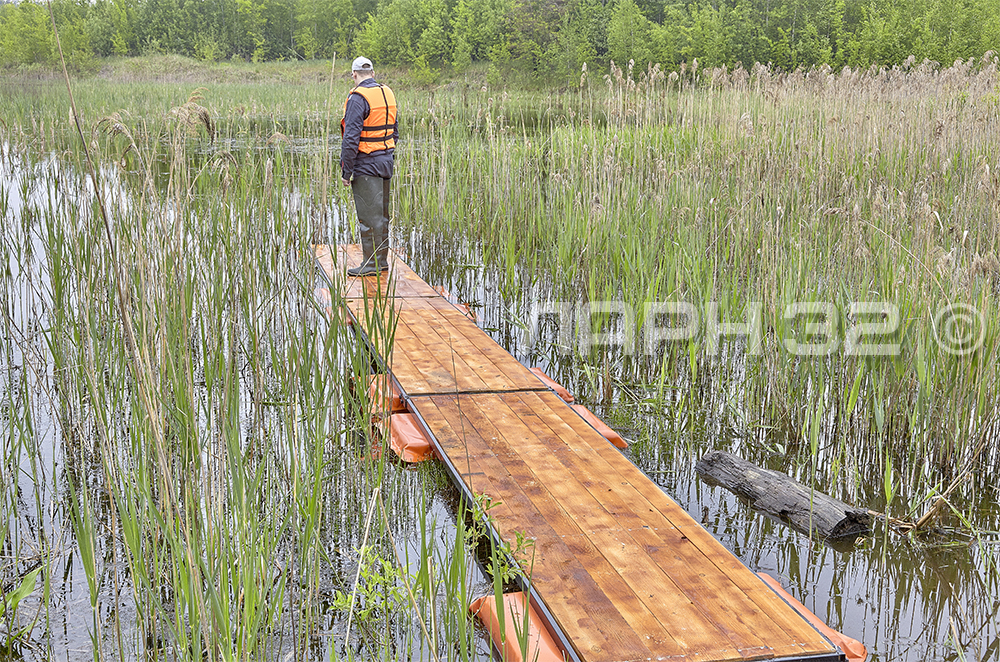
(369,130)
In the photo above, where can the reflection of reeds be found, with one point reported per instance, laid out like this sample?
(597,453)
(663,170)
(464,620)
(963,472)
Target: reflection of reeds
(222,508)
(720,186)
(752,186)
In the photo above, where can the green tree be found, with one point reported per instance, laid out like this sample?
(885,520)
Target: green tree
(476,28)
(250,23)
(25,34)
(279,29)
(886,36)
(629,35)
(812,49)
(988,16)
(706,37)
(531,29)
(390,35)
(745,39)
(671,40)
(109,28)
(157,29)
(582,39)
(950,31)
(433,43)
(325,27)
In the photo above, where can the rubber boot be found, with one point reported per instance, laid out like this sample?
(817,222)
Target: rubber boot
(382,233)
(368,202)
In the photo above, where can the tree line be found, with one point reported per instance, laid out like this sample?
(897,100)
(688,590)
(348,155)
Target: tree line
(549,38)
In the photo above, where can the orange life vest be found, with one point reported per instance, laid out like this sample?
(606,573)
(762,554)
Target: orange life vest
(376,133)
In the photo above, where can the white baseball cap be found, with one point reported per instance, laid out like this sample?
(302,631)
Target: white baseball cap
(362,64)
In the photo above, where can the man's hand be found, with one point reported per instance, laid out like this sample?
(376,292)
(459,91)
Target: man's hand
(347,182)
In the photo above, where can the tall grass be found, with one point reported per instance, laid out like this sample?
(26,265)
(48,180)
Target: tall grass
(751,187)
(238,532)
(213,480)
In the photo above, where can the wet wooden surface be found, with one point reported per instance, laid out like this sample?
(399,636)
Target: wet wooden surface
(398,281)
(627,574)
(437,349)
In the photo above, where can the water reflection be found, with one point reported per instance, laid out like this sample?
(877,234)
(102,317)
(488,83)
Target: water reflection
(905,599)
(60,432)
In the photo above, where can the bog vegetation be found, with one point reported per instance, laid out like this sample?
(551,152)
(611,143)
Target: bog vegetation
(187,458)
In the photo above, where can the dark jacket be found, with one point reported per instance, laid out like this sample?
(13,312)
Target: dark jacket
(376,164)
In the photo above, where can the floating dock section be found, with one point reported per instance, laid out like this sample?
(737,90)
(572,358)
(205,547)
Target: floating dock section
(620,572)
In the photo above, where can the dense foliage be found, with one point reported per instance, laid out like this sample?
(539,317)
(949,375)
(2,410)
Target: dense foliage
(547,37)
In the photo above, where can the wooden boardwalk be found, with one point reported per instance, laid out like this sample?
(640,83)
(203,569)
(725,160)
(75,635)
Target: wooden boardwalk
(622,571)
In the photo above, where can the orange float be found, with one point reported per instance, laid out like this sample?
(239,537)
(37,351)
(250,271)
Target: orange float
(616,439)
(384,395)
(552,384)
(407,439)
(541,645)
(853,649)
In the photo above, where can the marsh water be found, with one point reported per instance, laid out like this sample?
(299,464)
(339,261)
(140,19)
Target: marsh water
(935,596)
(904,598)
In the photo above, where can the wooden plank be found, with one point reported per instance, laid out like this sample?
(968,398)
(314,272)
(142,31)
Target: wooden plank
(703,633)
(776,624)
(476,460)
(326,261)
(673,610)
(480,364)
(416,350)
(480,424)
(527,408)
(519,439)
(642,601)
(565,563)
(430,339)
(790,634)
(399,281)
(444,414)
(771,618)
(536,448)
(509,491)
(400,364)
(613,639)
(511,370)
(494,365)
(723,603)
(439,358)
(727,615)
(587,463)
(379,319)
(481,471)
(414,369)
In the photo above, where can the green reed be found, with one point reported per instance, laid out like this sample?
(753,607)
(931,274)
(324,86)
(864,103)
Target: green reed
(239,533)
(751,187)
(216,478)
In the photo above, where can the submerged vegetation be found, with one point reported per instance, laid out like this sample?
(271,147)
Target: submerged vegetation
(213,490)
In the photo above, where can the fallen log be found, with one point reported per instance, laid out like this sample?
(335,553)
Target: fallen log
(774,493)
